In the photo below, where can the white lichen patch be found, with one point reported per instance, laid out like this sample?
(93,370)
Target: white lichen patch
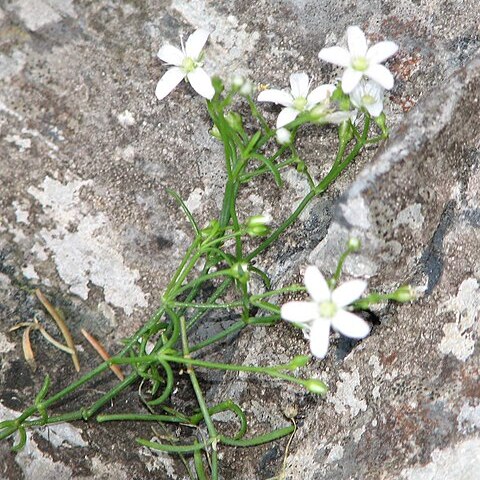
(11,65)
(344,399)
(461,461)
(468,419)
(159,461)
(460,336)
(36,14)
(230,40)
(336,454)
(126,119)
(5,345)
(21,213)
(410,216)
(194,200)
(30,273)
(84,247)
(22,143)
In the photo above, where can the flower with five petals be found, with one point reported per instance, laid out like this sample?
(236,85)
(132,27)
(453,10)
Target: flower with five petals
(360,61)
(326,309)
(186,63)
(298,99)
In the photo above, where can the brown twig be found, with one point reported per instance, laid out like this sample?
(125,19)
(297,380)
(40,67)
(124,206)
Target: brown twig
(55,314)
(100,349)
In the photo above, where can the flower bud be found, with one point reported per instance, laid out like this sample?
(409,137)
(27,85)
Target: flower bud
(405,293)
(284,137)
(381,121)
(234,119)
(215,133)
(247,88)
(316,386)
(354,244)
(257,225)
(210,231)
(237,82)
(239,271)
(298,362)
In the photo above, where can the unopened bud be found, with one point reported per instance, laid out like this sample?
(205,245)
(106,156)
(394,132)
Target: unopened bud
(405,293)
(215,132)
(284,137)
(234,119)
(239,271)
(298,362)
(316,386)
(354,244)
(257,225)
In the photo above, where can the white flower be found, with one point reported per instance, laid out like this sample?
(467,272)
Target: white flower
(359,60)
(186,63)
(284,137)
(298,100)
(327,309)
(369,95)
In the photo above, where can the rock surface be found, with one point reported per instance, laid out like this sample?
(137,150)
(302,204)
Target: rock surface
(86,152)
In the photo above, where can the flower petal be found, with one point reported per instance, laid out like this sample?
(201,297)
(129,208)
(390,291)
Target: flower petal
(379,52)
(381,75)
(335,55)
(339,117)
(350,79)
(357,43)
(171,55)
(316,284)
(299,312)
(287,115)
(319,94)
(299,84)
(201,83)
(172,77)
(319,337)
(348,292)
(276,96)
(375,109)
(350,325)
(195,42)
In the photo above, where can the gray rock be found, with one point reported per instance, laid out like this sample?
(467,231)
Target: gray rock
(86,152)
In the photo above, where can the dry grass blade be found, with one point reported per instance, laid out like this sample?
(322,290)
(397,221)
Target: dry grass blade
(100,349)
(27,348)
(61,325)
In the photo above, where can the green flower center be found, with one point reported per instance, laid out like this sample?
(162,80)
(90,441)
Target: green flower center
(189,64)
(360,64)
(327,309)
(368,99)
(300,103)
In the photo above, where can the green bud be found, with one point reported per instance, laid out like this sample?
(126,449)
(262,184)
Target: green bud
(215,132)
(342,100)
(345,132)
(217,85)
(239,271)
(257,225)
(354,244)
(381,121)
(298,362)
(316,386)
(235,121)
(210,231)
(405,293)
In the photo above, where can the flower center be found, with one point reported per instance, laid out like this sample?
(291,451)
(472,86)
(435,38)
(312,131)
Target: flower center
(300,103)
(368,99)
(360,64)
(189,64)
(327,309)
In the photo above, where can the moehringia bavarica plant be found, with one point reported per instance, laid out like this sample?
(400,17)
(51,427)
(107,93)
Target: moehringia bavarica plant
(221,259)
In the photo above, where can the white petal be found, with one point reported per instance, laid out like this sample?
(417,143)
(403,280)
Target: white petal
(350,325)
(173,76)
(357,43)
(348,292)
(379,52)
(299,312)
(319,94)
(381,75)
(319,337)
(350,79)
(171,55)
(287,115)
(316,284)
(201,83)
(335,55)
(299,84)
(195,42)
(375,109)
(276,96)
